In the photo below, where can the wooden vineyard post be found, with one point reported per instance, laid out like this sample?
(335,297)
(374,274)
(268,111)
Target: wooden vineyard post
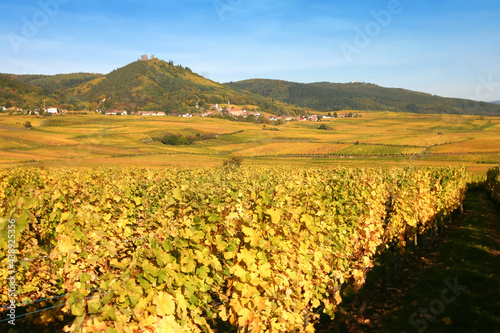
(432,235)
(384,272)
(396,262)
(415,238)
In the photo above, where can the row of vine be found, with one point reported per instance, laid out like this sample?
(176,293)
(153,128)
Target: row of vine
(172,250)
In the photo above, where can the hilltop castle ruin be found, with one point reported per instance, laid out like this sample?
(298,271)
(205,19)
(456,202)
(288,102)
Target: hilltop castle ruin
(144,57)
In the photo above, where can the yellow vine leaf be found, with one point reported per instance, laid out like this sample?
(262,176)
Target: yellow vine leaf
(222,313)
(238,271)
(168,324)
(275,215)
(265,270)
(181,304)
(245,317)
(65,244)
(447,321)
(315,303)
(229,255)
(165,304)
(247,256)
(247,231)
(337,297)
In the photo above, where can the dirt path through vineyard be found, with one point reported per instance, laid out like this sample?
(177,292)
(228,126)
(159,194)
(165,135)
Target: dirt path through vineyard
(452,286)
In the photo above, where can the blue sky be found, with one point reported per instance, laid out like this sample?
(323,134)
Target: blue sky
(444,47)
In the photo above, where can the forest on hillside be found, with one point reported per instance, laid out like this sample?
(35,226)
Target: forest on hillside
(326,96)
(157,85)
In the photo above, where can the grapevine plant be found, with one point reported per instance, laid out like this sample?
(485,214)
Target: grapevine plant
(144,250)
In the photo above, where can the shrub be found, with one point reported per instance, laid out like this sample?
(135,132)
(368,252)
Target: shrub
(181,140)
(233,161)
(176,140)
(323,127)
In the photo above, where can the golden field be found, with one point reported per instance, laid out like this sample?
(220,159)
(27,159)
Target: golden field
(374,139)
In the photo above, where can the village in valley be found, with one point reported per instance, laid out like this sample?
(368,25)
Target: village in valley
(237,113)
(108,105)
(215,111)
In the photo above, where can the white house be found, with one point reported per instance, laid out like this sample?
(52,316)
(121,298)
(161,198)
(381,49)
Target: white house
(216,107)
(52,110)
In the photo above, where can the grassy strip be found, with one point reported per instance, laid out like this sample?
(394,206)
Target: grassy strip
(459,291)
(453,286)
(469,257)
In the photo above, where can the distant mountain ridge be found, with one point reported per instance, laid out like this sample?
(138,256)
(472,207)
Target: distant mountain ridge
(156,85)
(327,96)
(495,102)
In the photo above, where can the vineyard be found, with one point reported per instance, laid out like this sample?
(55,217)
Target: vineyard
(265,250)
(377,139)
(493,184)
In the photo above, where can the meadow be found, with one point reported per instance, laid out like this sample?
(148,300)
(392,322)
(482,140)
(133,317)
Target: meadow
(372,140)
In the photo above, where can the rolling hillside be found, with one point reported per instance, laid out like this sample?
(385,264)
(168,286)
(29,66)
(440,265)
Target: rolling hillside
(162,86)
(327,96)
(159,85)
(57,83)
(19,94)
(146,85)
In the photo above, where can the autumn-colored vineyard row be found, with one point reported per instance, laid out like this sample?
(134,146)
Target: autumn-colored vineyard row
(171,250)
(493,183)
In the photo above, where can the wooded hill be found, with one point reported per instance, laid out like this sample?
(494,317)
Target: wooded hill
(57,83)
(141,85)
(19,94)
(326,96)
(162,86)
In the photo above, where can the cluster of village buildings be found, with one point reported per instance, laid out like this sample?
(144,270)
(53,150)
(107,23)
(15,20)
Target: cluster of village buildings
(236,113)
(35,112)
(217,111)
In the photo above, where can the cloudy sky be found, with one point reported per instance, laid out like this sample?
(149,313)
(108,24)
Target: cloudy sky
(444,47)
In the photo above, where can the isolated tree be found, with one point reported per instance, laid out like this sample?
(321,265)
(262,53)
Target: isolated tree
(323,127)
(27,124)
(335,115)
